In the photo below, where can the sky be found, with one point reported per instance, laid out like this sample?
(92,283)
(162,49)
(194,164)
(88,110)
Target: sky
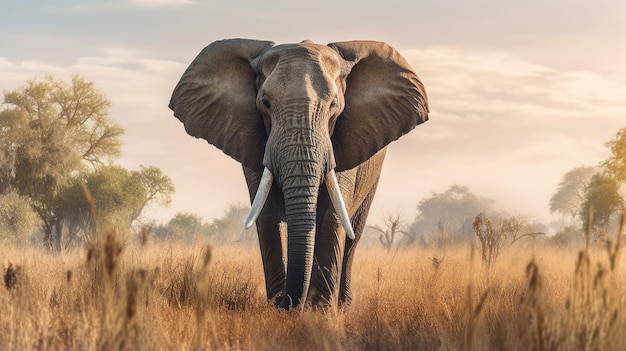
(519,92)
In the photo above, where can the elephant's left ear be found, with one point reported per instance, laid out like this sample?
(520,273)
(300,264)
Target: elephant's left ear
(384,100)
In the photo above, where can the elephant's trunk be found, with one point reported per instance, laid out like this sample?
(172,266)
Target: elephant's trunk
(300,175)
(300,208)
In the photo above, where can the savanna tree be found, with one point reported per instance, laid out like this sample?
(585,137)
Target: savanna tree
(603,196)
(190,226)
(494,233)
(230,225)
(490,238)
(186,226)
(392,225)
(570,195)
(446,218)
(17,219)
(51,130)
(616,163)
(602,201)
(119,196)
(159,187)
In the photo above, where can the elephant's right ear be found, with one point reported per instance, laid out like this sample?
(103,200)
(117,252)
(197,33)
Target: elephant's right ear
(215,100)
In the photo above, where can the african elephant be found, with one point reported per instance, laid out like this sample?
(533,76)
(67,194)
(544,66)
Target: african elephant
(297,116)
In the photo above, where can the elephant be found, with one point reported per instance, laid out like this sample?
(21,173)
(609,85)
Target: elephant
(310,124)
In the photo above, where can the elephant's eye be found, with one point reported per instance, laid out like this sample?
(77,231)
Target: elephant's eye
(334,103)
(266,102)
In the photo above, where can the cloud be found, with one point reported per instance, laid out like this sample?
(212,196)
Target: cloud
(125,4)
(500,83)
(15,74)
(160,3)
(492,95)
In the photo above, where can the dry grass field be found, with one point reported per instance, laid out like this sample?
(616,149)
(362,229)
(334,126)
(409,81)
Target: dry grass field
(182,297)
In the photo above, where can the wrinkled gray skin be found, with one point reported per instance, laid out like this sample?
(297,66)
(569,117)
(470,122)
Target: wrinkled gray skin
(302,110)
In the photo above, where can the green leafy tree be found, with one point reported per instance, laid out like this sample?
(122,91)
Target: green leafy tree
(186,226)
(603,200)
(50,131)
(17,219)
(570,195)
(159,187)
(119,196)
(569,237)
(616,163)
(230,225)
(189,226)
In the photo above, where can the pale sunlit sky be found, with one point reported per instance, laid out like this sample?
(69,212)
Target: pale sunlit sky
(520,92)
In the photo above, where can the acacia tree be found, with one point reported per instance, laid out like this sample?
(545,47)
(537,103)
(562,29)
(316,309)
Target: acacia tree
(490,238)
(447,217)
(570,195)
(492,234)
(189,226)
(17,219)
(119,196)
(602,195)
(186,226)
(602,200)
(159,187)
(616,163)
(393,224)
(50,131)
(230,225)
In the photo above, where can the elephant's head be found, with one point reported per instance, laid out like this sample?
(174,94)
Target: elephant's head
(297,112)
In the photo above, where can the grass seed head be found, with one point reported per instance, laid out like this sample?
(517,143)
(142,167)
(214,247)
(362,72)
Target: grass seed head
(11,276)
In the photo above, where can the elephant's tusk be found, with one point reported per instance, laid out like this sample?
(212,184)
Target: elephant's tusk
(259,199)
(338,204)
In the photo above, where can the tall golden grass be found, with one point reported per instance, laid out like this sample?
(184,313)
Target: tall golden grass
(172,296)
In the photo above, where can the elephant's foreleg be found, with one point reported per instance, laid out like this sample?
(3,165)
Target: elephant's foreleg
(268,229)
(358,224)
(272,256)
(328,254)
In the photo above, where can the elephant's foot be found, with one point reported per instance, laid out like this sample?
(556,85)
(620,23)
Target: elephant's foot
(276,300)
(345,298)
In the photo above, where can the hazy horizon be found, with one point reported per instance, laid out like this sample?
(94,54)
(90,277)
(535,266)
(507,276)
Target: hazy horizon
(519,94)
